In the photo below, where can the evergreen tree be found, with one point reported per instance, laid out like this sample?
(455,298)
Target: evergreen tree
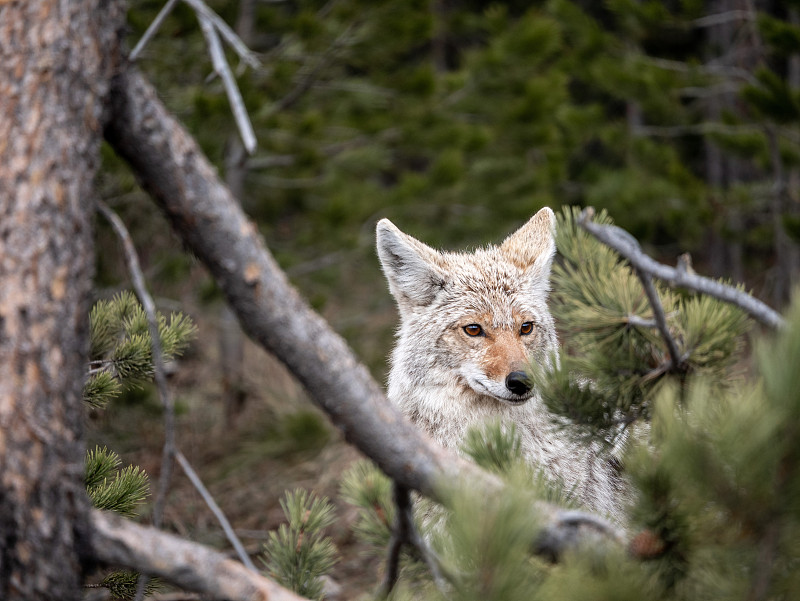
(298,554)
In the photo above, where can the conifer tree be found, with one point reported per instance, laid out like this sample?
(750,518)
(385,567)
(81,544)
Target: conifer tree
(299,553)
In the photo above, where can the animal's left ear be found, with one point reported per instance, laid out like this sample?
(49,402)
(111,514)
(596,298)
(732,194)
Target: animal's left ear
(533,246)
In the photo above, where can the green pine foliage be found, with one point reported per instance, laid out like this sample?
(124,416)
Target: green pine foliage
(299,553)
(122,585)
(120,346)
(496,447)
(616,360)
(370,490)
(111,488)
(121,355)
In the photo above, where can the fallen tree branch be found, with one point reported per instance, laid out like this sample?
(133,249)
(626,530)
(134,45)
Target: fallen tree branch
(189,565)
(627,246)
(170,166)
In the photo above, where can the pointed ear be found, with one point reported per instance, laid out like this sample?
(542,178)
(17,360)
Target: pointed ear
(533,246)
(414,270)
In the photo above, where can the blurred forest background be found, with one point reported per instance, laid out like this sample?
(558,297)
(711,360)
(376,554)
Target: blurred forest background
(457,119)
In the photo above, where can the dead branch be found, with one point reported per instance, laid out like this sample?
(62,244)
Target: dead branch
(215,509)
(189,565)
(171,167)
(152,29)
(675,359)
(228,81)
(404,532)
(627,246)
(228,34)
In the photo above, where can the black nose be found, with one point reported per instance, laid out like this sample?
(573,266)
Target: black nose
(518,382)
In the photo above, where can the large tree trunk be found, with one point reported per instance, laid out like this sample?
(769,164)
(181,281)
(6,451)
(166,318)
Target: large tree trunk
(54,74)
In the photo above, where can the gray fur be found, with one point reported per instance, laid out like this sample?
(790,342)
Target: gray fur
(446,381)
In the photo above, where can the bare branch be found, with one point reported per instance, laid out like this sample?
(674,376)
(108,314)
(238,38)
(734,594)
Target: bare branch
(675,360)
(724,17)
(640,322)
(226,32)
(626,245)
(215,509)
(404,532)
(231,89)
(700,129)
(152,29)
(171,167)
(707,69)
(189,565)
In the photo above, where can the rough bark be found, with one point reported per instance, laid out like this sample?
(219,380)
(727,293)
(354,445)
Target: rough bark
(55,64)
(171,167)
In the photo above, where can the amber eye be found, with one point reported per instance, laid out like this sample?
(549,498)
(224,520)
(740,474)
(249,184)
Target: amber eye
(473,329)
(526,328)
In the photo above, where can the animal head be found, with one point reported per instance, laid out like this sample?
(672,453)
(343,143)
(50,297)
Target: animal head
(479,317)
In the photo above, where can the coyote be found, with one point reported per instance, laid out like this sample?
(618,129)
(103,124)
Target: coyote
(470,323)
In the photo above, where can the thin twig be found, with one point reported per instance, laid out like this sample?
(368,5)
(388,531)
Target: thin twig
(622,242)
(170,447)
(675,131)
(724,17)
(152,29)
(223,70)
(404,532)
(707,69)
(228,34)
(160,377)
(640,322)
(215,509)
(660,318)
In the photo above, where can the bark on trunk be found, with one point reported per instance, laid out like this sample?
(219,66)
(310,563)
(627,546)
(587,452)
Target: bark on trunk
(55,61)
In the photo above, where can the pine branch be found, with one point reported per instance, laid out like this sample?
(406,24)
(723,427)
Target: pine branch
(622,242)
(299,554)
